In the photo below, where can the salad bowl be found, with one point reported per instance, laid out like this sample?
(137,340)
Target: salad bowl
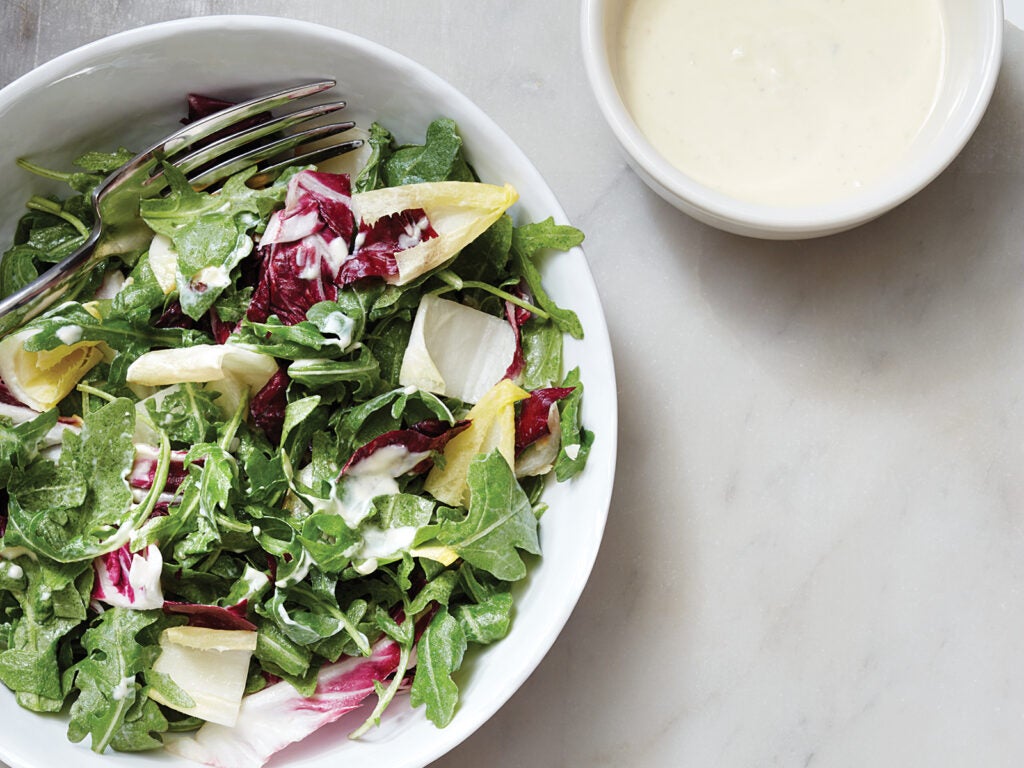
(127,91)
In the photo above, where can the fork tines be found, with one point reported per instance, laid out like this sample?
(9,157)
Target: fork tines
(269,145)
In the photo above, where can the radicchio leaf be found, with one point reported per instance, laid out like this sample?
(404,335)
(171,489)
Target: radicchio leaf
(268,405)
(212,616)
(376,245)
(532,421)
(144,468)
(420,440)
(129,580)
(174,316)
(303,247)
(517,317)
(6,396)
(200,106)
(271,719)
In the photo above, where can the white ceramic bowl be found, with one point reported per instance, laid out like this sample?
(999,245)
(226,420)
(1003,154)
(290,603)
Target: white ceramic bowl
(974,29)
(129,89)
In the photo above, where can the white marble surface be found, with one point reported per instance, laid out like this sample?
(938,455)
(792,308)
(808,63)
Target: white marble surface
(814,552)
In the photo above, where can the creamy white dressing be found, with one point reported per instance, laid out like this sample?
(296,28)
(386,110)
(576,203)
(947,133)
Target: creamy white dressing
(336,254)
(70,334)
(14,571)
(254,580)
(13,553)
(122,688)
(372,477)
(382,543)
(213,277)
(299,571)
(783,102)
(309,265)
(341,325)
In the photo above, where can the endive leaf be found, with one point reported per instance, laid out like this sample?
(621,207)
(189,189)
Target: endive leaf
(458,211)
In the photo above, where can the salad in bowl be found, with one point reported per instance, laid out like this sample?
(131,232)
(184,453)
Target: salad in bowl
(289,457)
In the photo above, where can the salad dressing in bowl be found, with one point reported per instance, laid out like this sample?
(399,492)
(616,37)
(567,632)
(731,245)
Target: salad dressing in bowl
(781,102)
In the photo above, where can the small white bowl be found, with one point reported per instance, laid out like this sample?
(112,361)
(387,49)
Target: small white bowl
(974,31)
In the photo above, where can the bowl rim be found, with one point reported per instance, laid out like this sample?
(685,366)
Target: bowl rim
(73,61)
(759,219)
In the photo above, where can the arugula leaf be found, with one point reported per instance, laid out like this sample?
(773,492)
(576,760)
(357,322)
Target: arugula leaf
(371,177)
(530,240)
(141,293)
(500,520)
(363,373)
(78,508)
(439,158)
(278,653)
(53,599)
(387,342)
(264,469)
(17,269)
(19,443)
(309,612)
(438,590)
(542,354)
(486,621)
(205,492)
(329,540)
(361,423)
(43,237)
(187,413)
(302,419)
(112,707)
(104,162)
(439,653)
(487,258)
(95,167)
(576,441)
(330,329)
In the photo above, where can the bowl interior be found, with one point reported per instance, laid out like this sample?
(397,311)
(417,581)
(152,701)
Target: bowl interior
(974,39)
(129,90)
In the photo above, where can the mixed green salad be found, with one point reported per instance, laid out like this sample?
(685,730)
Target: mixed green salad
(283,460)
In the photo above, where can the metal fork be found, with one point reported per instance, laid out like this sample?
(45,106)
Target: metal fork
(115,201)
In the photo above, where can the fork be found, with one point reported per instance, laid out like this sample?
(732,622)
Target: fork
(115,201)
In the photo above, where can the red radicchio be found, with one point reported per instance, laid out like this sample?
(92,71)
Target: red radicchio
(212,616)
(303,247)
(200,106)
(129,580)
(532,421)
(174,317)
(278,715)
(6,396)
(143,470)
(267,406)
(419,440)
(517,317)
(376,245)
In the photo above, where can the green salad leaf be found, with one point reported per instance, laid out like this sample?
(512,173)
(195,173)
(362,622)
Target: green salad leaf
(500,521)
(76,508)
(112,707)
